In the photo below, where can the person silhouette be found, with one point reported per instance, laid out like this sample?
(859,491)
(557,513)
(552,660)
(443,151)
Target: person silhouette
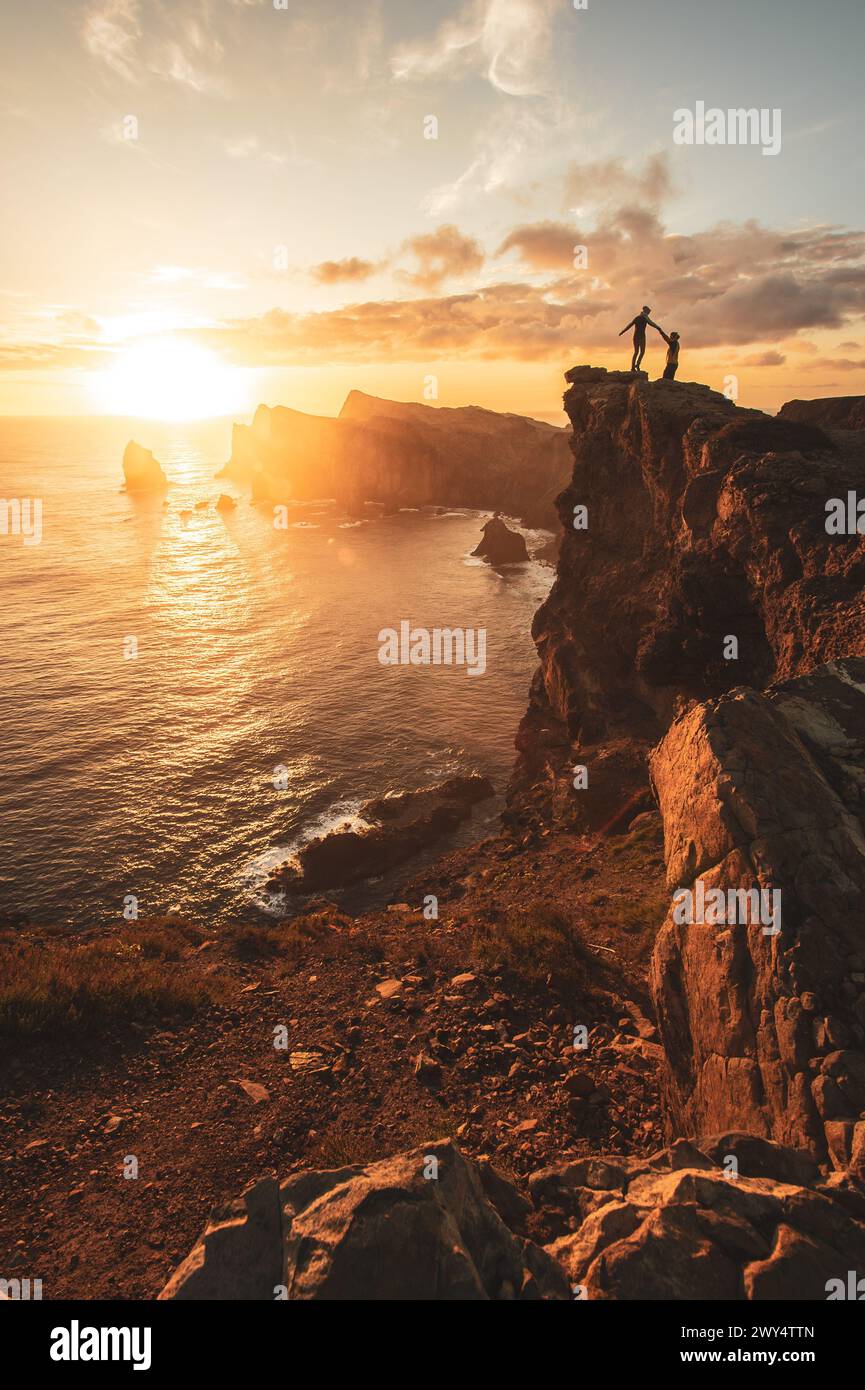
(672,355)
(639,326)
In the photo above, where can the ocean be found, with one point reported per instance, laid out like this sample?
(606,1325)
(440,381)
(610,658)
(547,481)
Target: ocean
(185,700)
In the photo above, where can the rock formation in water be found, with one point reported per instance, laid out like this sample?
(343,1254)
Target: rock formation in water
(499,545)
(403,455)
(143,473)
(397,826)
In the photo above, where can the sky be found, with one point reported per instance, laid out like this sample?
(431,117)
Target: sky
(212,203)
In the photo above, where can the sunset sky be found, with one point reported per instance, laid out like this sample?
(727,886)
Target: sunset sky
(210,203)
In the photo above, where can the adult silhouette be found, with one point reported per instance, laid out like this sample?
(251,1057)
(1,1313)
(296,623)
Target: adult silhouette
(639,325)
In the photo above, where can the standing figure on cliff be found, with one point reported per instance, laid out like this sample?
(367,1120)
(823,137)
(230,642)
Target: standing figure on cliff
(639,326)
(672,355)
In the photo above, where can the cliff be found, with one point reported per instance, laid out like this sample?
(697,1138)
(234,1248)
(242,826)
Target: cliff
(703,523)
(404,455)
(833,412)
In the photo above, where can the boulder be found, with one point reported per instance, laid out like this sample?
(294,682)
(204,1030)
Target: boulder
(416,1226)
(702,1232)
(499,545)
(143,473)
(225,503)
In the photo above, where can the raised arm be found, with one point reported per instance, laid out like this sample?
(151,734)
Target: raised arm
(627,326)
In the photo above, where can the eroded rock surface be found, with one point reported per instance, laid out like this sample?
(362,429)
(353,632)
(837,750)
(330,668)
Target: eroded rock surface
(702,520)
(419,1225)
(764,1029)
(728,1220)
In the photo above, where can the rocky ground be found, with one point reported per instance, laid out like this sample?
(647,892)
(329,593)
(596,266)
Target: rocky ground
(399,1030)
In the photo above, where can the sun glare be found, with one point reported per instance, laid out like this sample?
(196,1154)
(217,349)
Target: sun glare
(164,379)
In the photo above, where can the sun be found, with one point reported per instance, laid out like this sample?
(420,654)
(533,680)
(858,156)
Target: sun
(165,379)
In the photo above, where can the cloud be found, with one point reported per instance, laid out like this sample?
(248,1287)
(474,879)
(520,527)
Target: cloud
(334,272)
(175,43)
(764,359)
(441,255)
(600,181)
(111,33)
(836,364)
(542,245)
(507,41)
(732,286)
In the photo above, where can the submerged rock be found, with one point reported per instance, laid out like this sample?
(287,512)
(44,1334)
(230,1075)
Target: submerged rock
(401,824)
(143,473)
(225,503)
(499,545)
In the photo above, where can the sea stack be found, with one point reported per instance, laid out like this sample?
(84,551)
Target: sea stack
(143,473)
(499,545)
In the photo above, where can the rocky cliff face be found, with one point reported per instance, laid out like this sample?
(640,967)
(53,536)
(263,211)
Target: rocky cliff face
(688,522)
(699,588)
(833,412)
(404,456)
(761,1002)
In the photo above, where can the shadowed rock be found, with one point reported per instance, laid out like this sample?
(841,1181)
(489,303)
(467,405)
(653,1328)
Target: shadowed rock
(401,824)
(656,1229)
(415,1226)
(499,545)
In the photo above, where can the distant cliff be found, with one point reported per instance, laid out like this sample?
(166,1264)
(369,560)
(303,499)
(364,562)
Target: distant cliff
(404,455)
(833,412)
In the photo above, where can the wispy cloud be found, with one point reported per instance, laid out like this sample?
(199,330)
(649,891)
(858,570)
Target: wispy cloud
(176,44)
(507,41)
